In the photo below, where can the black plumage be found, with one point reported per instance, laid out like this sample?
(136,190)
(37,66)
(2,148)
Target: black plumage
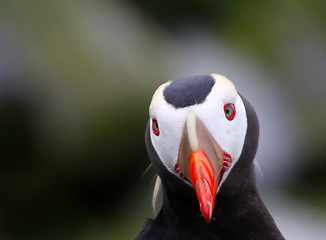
(188,91)
(239,212)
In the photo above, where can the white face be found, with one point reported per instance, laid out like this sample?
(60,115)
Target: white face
(229,134)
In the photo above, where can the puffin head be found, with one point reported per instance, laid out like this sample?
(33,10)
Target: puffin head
(196,134)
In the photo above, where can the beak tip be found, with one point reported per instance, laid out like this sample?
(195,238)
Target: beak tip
(203,180)
(207,211)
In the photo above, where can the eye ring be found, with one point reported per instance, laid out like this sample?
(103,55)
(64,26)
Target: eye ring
(155,127)
(229,110)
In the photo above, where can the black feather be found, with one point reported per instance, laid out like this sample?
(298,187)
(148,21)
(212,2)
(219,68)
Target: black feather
(188,91)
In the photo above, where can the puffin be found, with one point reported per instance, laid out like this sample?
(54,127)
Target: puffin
(202,137)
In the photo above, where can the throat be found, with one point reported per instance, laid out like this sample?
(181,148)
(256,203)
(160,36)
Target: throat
(239,212)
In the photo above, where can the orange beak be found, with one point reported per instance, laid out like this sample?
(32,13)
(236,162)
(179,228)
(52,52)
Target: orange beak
(201,161)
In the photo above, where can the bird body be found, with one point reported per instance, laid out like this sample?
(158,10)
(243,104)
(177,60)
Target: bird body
(229,203)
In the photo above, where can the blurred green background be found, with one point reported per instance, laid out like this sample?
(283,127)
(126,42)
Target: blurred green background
(76,79)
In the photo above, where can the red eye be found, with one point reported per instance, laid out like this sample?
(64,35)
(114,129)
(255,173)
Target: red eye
(229,110)
(155,127)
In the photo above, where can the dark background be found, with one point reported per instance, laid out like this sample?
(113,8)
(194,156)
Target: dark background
(76,80)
